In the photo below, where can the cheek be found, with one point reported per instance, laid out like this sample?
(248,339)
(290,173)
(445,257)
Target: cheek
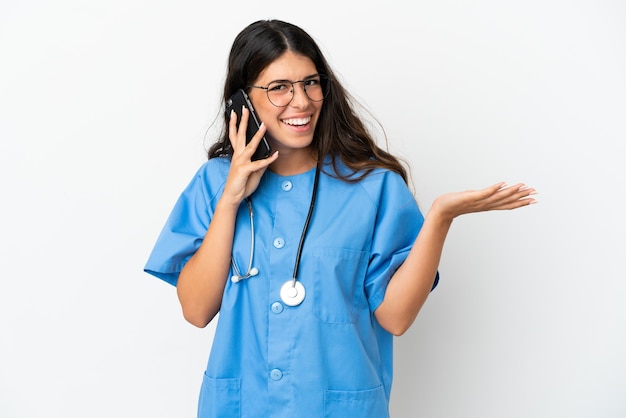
(265,111)
(318,110)
(262,108)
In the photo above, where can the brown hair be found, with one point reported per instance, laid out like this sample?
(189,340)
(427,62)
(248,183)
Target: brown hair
(340,132)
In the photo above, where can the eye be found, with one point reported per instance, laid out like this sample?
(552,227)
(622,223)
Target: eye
(279,87)
(311,82)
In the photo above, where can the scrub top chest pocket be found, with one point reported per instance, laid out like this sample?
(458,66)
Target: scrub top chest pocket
(338,285)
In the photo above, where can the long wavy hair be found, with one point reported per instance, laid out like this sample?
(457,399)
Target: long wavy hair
(340,132)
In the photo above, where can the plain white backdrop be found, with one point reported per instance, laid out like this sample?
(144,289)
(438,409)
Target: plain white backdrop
(106,109)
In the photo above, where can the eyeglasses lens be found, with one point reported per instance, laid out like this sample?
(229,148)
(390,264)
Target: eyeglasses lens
(280,93)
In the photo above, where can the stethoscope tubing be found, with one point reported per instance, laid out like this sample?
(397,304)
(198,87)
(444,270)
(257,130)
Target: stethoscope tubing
(305,228)
(253,271)
(250,271)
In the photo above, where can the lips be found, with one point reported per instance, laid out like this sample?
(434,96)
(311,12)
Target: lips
(296,121)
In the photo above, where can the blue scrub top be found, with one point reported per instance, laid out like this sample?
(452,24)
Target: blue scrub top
(327,357)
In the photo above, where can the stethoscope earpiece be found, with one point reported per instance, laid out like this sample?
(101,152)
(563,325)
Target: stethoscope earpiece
(237,278)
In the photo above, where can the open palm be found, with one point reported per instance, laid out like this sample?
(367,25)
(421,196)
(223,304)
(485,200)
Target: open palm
(500,196)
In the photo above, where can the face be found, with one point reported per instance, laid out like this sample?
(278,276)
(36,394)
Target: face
(289,129)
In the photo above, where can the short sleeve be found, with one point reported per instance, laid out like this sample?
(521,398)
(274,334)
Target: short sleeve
(398,221)
(186,225)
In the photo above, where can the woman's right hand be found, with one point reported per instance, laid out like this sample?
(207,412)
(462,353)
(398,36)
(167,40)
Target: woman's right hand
(201,282)
(244,174)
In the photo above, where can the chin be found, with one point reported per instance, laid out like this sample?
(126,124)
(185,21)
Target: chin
(293,144)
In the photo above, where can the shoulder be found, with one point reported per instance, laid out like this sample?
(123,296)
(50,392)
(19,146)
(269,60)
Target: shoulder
(376,183)
(210,177)
(214,170)
(217,166)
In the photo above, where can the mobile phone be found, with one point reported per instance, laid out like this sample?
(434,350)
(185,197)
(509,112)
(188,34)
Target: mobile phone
(235,103)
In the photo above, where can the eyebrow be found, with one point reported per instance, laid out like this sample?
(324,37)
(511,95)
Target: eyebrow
(305,78)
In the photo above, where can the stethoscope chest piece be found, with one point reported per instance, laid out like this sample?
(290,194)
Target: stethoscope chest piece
(292,293)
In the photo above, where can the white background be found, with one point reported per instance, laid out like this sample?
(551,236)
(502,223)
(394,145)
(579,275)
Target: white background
(106,109)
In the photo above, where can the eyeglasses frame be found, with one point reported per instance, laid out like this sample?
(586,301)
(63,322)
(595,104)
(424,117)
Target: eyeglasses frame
(323,77)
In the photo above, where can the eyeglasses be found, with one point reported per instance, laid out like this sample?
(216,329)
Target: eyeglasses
(280,92)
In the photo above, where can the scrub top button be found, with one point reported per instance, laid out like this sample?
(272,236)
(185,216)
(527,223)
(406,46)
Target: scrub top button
(279,242)
(276,374)
(277,307)
(287,185)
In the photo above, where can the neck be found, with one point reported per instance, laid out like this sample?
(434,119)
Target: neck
(292,162)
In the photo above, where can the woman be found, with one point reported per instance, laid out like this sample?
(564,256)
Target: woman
(312,255)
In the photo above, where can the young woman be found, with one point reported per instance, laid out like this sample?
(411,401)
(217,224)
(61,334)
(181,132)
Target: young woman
(314,257)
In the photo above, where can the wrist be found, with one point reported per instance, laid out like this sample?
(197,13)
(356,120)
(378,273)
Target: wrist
(228,203)
(438,215)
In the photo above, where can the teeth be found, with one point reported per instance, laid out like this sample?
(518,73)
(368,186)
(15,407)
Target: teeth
(297,121)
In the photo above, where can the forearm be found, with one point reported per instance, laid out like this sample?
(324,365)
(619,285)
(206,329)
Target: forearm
(412,282)
(201,283)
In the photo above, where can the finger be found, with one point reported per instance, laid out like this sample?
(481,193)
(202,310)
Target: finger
(256,139)
(513,197)
(488,193)
(232,128)
(264,162)
(515,204)
(243,125)
(520,191)
(255,170)
(516,191)
(236,136)
(246,168)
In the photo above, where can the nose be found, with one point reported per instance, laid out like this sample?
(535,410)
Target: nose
(300,99)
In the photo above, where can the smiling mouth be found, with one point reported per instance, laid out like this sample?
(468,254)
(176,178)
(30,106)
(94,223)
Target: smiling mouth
(297,121)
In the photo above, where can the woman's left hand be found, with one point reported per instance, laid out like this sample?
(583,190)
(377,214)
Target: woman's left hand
(500,196)
(413,281)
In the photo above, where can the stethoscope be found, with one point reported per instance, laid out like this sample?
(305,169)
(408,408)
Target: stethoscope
(292,292)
